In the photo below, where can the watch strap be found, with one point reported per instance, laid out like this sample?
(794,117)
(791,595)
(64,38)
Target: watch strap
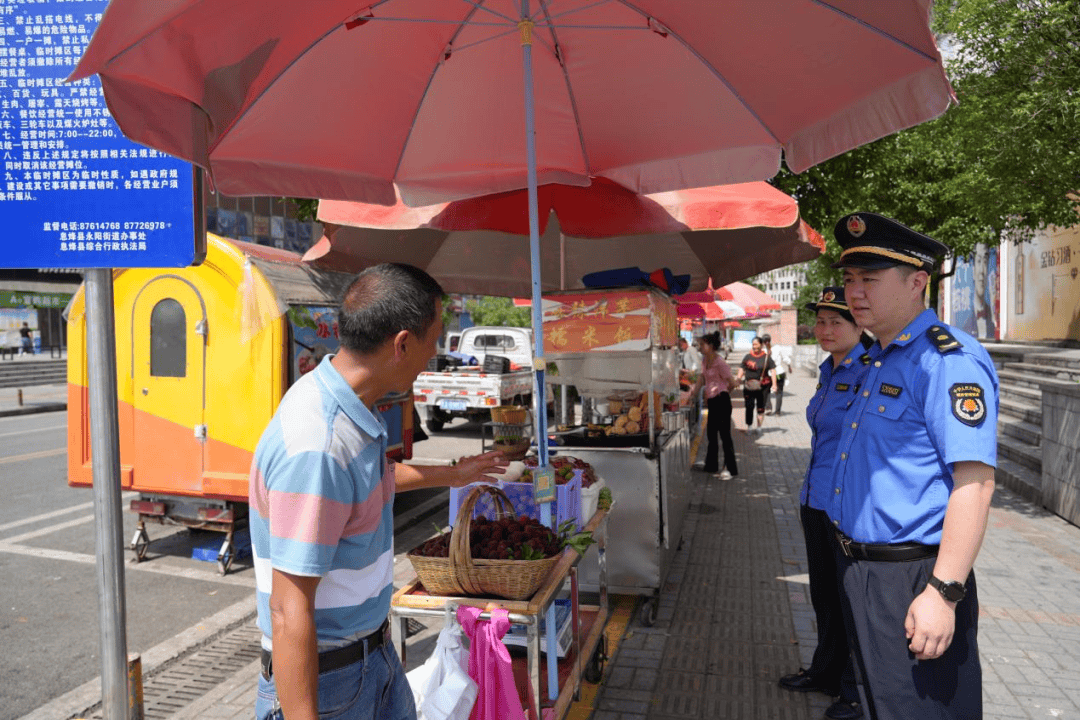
(952,591)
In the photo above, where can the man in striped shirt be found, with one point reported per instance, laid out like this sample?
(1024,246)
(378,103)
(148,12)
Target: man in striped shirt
(321,504)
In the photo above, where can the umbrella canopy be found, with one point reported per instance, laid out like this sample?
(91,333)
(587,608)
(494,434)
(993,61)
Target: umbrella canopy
(713,311)
(747,296)
(478,245)
(346,99)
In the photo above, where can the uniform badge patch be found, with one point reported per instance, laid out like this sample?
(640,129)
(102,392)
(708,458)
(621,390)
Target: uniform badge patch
(968,403)
(856,226)
(890,390)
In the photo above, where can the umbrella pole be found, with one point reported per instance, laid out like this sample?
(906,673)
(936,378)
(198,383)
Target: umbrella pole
(539,364)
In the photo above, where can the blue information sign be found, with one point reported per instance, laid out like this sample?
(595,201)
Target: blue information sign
(76,193)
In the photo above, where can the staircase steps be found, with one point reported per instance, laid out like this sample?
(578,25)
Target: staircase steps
(1024,482)
(1027,395)
(19,374)
(1031,371)
(1026,411)
(1022,453)
(1019,429)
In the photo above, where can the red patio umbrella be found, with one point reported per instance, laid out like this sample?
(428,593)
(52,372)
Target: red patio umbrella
(478,245)
(754,300)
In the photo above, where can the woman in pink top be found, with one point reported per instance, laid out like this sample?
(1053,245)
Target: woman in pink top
(717,380)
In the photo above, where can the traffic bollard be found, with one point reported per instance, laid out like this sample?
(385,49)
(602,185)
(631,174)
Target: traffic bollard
(20,397)
(135,695)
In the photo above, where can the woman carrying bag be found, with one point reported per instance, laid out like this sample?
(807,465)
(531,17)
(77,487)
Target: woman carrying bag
(756,369)
(717,380)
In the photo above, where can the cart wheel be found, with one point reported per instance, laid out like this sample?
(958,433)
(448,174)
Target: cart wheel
(140,543)
(225,556)
(594,670)
(435,421)
(647,616)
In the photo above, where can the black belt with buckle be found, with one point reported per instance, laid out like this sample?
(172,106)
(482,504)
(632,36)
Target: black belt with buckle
(339,657)
(900,552)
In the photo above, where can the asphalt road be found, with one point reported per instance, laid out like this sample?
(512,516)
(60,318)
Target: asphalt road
(48,591)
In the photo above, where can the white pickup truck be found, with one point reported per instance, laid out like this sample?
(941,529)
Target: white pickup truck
(472,390)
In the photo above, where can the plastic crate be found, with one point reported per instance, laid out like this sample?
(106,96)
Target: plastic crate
(207,549)
(567,501)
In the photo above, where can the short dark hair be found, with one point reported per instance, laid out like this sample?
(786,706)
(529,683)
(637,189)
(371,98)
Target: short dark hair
(382,301)
(766,338)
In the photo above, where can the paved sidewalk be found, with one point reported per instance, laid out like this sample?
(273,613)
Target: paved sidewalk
(35,399)
(735,613)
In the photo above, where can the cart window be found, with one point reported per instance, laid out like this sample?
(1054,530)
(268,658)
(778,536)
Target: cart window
(168,340)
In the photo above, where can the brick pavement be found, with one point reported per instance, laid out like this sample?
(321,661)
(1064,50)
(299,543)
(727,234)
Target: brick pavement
(735,613)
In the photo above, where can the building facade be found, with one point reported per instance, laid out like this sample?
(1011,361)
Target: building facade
(783,283)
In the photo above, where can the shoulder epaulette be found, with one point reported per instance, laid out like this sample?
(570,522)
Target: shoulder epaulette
(942,339)
(865,358)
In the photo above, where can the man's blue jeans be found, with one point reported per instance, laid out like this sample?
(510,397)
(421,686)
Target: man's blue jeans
(372,689)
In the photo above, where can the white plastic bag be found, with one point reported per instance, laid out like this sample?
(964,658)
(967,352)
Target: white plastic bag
(442,688)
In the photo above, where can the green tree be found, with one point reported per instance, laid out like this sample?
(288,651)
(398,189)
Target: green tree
(499,311)
(1003,162)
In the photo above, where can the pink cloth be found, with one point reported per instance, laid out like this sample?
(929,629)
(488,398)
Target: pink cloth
(717,376)
(489,665)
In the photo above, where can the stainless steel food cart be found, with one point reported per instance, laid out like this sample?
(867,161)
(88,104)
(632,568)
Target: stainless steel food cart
(613,342)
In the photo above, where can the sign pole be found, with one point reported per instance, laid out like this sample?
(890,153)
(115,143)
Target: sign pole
(105,460)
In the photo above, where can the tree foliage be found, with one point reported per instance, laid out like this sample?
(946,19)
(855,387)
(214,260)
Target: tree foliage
(1003,162)
(499,311)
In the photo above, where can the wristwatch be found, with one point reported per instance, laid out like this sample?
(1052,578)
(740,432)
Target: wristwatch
(952,591)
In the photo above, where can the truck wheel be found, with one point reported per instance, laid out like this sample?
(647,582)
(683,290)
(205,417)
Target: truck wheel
(434,425)
(436,419)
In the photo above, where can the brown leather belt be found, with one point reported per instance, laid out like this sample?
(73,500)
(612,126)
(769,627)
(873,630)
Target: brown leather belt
(899,552)
(339,657)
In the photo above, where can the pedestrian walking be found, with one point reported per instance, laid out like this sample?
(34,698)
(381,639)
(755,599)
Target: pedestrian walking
(781,356)
(839,382)
(767,379)
(913,481)
(321,500)
(717,380)
(27,340)
(756,365)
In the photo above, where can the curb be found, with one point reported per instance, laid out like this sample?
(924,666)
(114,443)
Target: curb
(34,409)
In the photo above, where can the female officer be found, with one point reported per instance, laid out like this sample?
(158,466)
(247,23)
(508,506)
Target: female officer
(831,671)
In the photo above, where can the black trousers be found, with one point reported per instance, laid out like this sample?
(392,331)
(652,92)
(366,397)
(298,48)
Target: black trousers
(832,665)
(752,397)
(719,424)
(780,379)
(899,687)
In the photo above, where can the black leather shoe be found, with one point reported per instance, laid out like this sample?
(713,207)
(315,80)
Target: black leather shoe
(803,681)
(844,710)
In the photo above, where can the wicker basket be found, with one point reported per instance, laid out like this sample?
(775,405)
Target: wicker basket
(461,574)
(510,414)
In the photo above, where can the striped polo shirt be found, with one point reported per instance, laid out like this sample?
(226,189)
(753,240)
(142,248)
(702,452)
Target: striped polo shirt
(321,498)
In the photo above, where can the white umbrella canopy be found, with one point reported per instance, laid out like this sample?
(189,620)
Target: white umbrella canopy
(347,100)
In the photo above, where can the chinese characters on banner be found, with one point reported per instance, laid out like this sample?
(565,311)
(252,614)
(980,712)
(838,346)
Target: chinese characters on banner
(612,320)
(75,192)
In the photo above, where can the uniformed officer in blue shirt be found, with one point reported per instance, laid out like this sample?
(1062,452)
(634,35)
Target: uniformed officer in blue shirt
(913,478)
(840,379)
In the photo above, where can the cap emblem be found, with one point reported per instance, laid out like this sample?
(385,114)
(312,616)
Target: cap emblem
(856,226)
(828,296)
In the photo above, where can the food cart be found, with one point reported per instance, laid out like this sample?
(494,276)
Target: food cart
(204,355)
(618,348)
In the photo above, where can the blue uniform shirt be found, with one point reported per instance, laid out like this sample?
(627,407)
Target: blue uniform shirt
(825,415)
(929,400)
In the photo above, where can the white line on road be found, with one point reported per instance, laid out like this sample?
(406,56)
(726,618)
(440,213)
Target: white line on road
(150,567)
(36,430)
(32,456)
(57,513)
(49,530)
